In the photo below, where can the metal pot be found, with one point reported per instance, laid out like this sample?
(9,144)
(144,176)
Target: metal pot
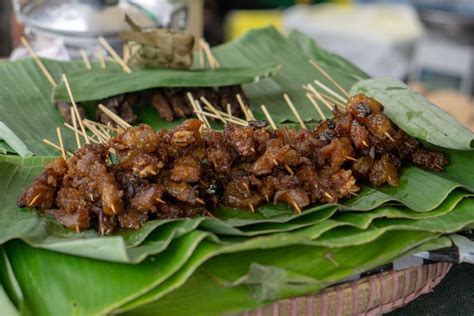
(79,23)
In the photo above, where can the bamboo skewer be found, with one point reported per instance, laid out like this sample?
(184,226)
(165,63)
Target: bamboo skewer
(213,109)
(327,97)
(202,61)
(389,136)
(105,131)
(210,57)
(38,61)
(316,106)
(86,60)
(333,100)
(293,109)
(191,100)
(74,124)
(74,105)
(61,144)
(268,117)
(245,108)
(199,108)
(125,53)
(114,55)
(229,110)
(330,91)
(296,207)
(50,143)
(117,119)
(252,208)
(100,57)
(69,126)
(226,116)
(208,114)
(95,131)
(290,171)
(328,195)
(328,77)
(33,200)
(107,127)
(319,96)
(244,111)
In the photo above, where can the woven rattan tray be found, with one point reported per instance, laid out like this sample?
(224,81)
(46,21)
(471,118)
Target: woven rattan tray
(373,295)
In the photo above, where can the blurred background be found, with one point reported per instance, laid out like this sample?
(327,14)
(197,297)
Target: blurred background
(427,43)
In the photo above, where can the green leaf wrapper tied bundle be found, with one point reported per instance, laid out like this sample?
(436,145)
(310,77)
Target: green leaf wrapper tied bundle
(160,48)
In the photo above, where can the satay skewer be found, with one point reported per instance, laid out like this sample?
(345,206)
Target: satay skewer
(50,143)
(229,110)
(102,137)
(333,100)
(107,127)
(125,53)
(330,91)
(199,109)
(246,107)
(38,61)
(293,109)
(200,52)
(85,59)
(226,116)
(100,57)
(61,143)
(117,119)
(33,200)
(114,55)
(252,208)
(213,109)
(328,77)
(316,106)
(325,96)
(389,136)
(195,109)
(74,124)
(208,114)
(319,96)
(296,207)
(268,117)
(74,105)
(69,126)
(211,58)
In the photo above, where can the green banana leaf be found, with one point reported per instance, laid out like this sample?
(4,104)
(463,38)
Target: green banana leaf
(196,257)
(99,84)
(415,114)
(216,297)
(232,299)
(10,291)
(75,278)
(324,234)
(5,148)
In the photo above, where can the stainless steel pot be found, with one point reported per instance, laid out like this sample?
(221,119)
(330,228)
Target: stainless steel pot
(79,23)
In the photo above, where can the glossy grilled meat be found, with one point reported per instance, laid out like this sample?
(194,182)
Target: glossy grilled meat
(178,172)
(169,103)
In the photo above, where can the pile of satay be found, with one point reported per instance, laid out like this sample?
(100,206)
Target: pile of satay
(141,174)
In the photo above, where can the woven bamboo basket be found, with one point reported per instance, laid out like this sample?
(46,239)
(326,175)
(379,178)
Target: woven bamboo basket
(373,295)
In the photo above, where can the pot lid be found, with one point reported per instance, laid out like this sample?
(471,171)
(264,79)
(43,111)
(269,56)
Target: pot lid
(83,18)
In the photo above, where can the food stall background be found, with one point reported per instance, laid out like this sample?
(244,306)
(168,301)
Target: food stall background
(428,43)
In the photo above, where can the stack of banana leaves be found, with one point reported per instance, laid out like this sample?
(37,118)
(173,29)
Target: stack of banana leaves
(237,260)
